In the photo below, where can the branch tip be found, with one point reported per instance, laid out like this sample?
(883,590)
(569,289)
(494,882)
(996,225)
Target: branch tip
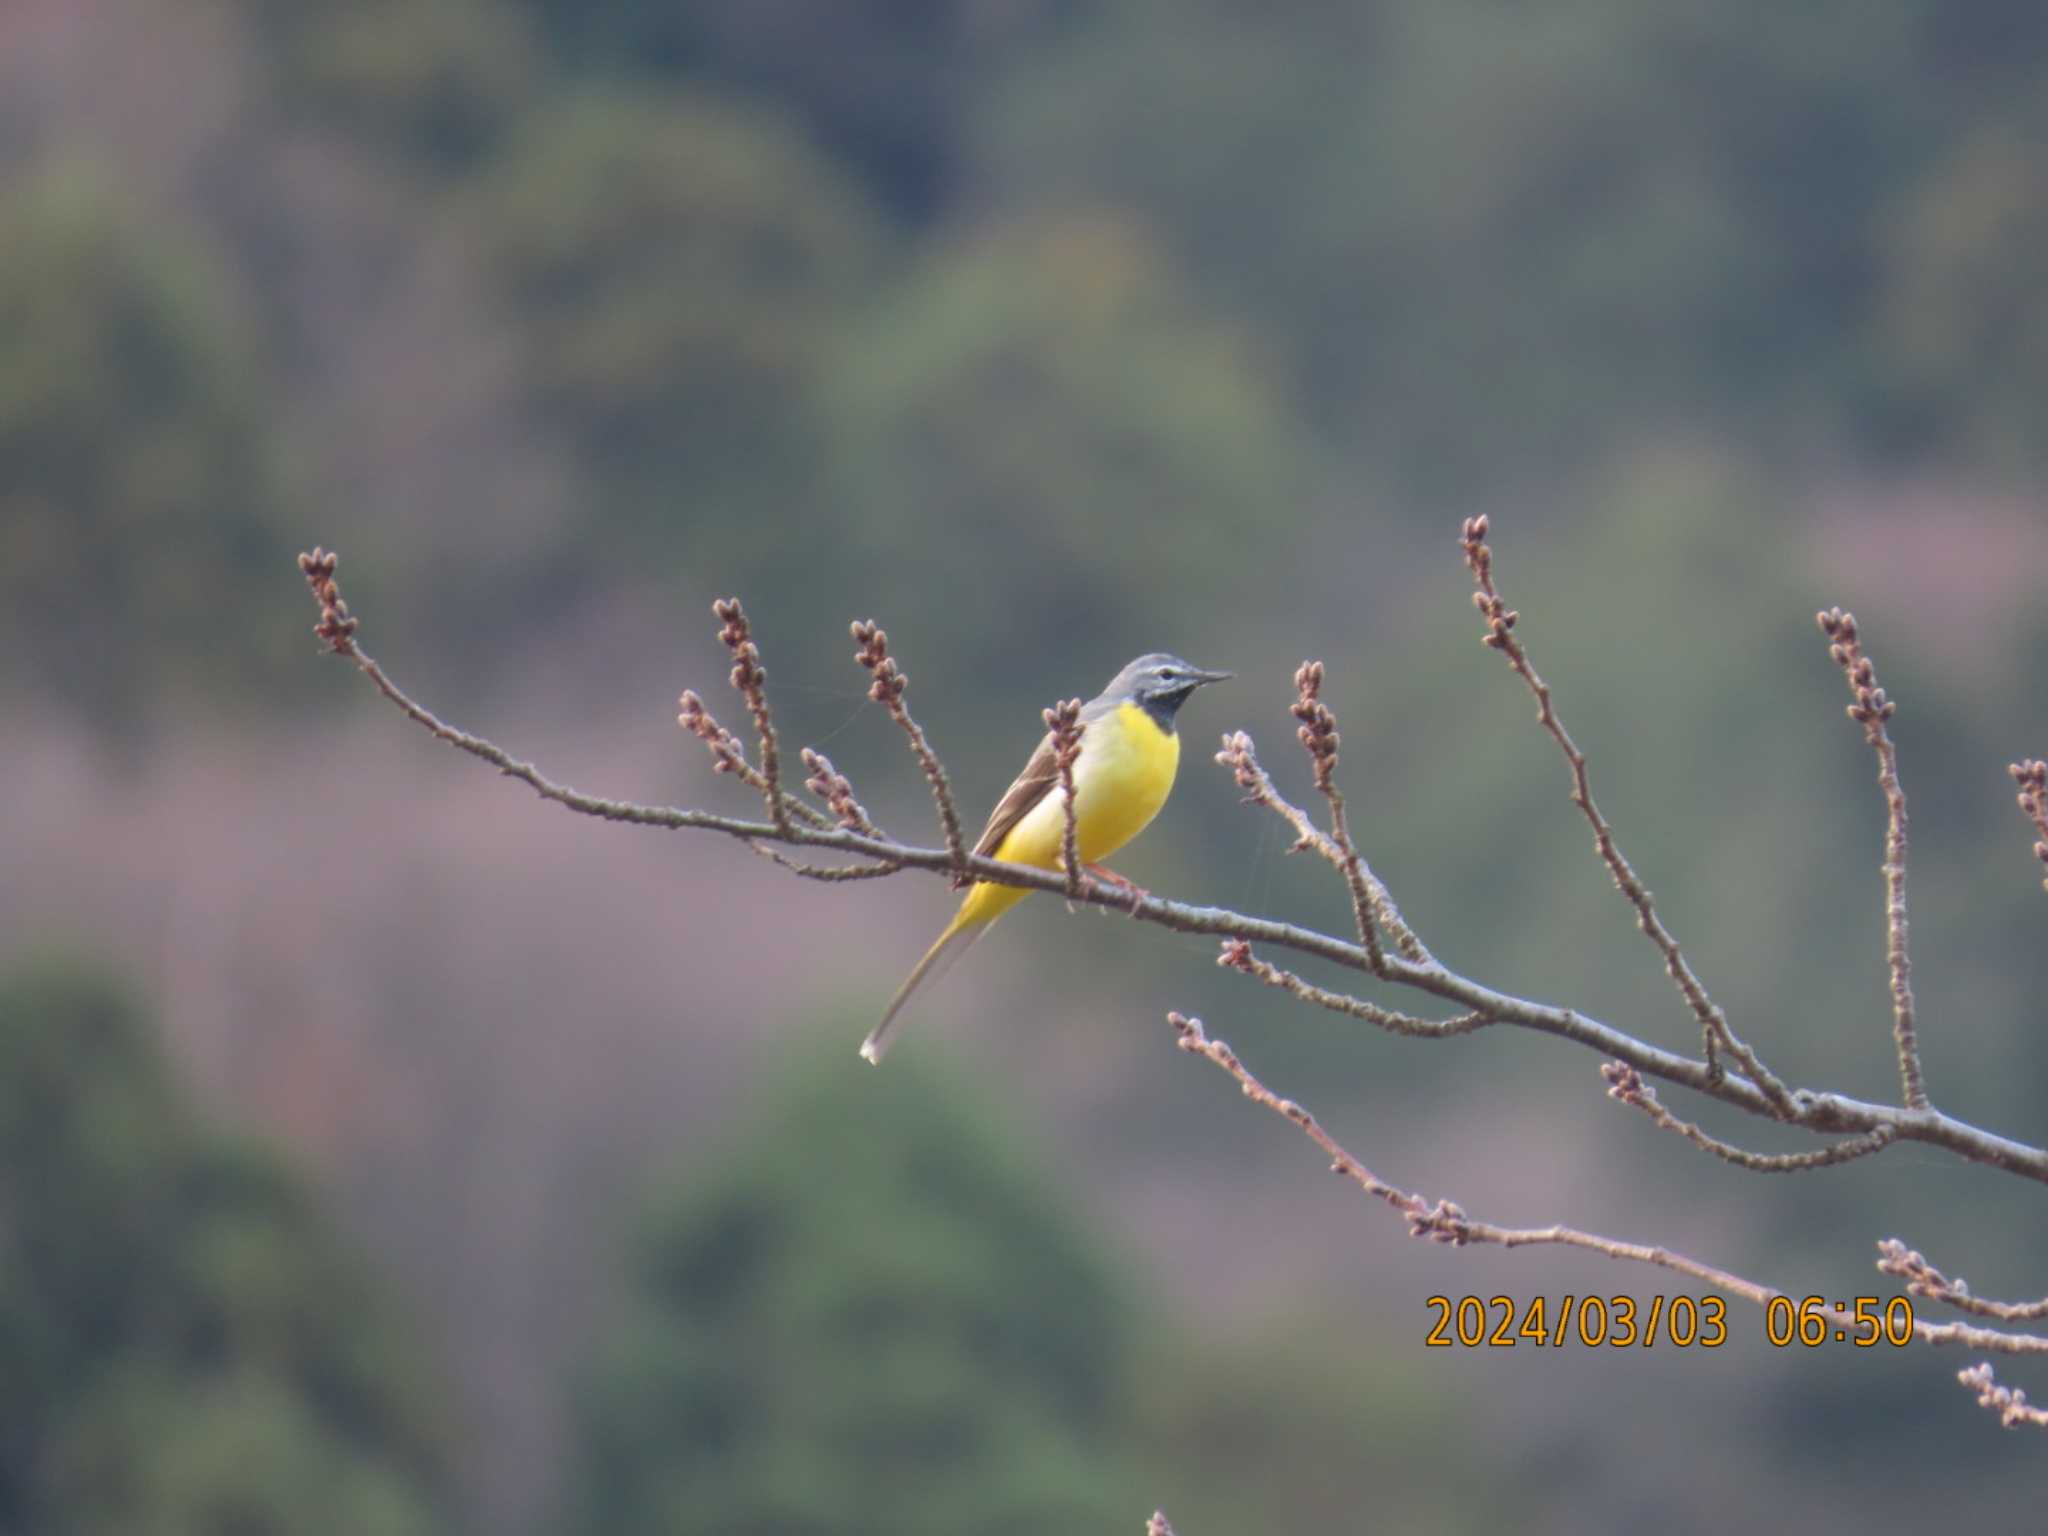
(337,626)
(886,685)
(2009,1403)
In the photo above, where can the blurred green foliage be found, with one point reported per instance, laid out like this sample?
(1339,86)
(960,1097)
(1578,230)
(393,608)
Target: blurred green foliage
(187,1347)
(1056,330)
(889,84)
(868,1312)
(429,84)
(140,528)
(1055,385)
(869,1318)
(670,265)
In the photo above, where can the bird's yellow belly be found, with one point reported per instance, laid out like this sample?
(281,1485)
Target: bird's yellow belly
(1121,779)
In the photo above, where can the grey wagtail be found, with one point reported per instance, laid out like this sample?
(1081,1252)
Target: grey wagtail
(1121,778)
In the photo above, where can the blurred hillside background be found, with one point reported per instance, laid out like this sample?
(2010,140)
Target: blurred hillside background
(383,1150)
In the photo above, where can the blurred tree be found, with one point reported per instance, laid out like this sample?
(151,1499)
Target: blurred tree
(139,562)
(186,1346)
(1041,418)
(431,82)
(871,1318)
(1592,216)
(1965,318)
(671,267)
(881,82)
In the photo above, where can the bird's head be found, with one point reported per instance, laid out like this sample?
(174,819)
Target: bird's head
(1159,684)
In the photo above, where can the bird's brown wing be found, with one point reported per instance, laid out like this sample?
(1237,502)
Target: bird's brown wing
(1037,780)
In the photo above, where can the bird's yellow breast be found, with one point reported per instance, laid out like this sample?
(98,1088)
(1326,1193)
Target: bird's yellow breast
(1121,779)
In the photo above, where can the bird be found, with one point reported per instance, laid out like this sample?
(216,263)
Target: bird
(1122,774)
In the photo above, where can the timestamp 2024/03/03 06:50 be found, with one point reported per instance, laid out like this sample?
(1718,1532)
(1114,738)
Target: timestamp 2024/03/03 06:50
(1683,1322)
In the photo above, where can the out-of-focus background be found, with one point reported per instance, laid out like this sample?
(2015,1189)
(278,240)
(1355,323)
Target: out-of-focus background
(383,1150)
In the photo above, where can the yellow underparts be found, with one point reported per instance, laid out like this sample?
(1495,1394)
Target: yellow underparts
(1121,779)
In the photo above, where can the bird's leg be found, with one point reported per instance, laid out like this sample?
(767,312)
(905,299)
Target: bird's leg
(1109,876)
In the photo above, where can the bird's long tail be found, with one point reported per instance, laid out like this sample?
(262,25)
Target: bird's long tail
(958,938)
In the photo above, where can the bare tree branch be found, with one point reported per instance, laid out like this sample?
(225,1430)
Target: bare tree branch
(1823,1113)
(1871,709)
(1867,1128)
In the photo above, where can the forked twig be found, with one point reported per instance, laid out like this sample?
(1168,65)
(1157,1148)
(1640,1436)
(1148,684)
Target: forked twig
(1625,1085)
(1241,758)
(728,756)
(886,689)
(1715,1032)
(1237,955)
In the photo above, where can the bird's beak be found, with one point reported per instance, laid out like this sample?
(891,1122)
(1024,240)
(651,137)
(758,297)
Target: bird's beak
(1213,677)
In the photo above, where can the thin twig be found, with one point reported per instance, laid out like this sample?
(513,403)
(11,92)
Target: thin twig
(1626,1085)
(727,756)
(1320,739)
(1063,720)
(831,874)
(836,790)
(1715,1032)
(1870,709)
(1923,1279)
(1241,758)
(2009,1403)
(2031,774)
(887,690)
(1237,955)
(751,679)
